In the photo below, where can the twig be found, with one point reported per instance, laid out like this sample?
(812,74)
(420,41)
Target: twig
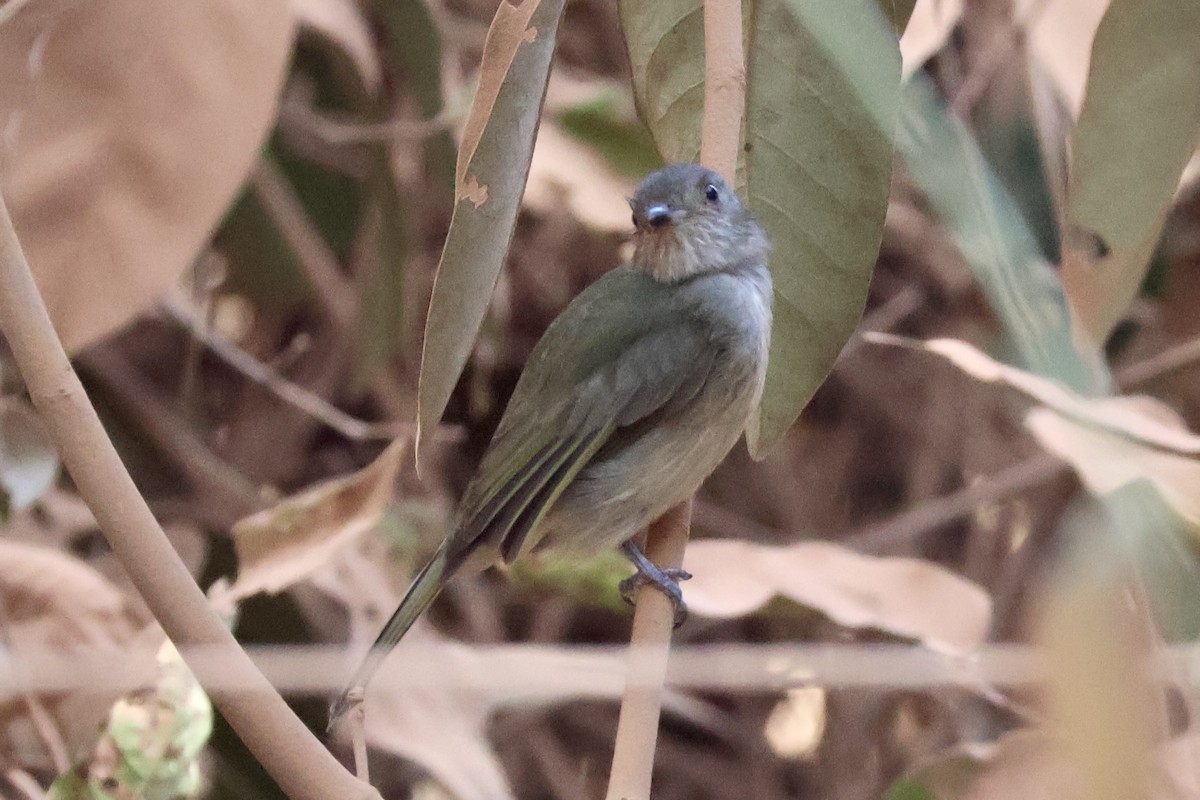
(1170,360)
(336,132)
(933,514)
(314,405)
(23,781)
(653,620)
(650,641)
(1000,49)
(208,473)
(320,265)
(303,768)
(48,730)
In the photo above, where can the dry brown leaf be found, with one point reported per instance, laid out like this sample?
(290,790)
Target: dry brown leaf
(1123,416)
(342,22)
(903,596)
(1106,461)
(126,128)
(1110,441)
(1061,39)
(52,599)
(287,543)
(565,172)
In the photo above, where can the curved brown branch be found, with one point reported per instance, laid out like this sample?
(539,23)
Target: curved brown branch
(299,763)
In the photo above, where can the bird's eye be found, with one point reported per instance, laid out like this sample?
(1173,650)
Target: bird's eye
(710,191)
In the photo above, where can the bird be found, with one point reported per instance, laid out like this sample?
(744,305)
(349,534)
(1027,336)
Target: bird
(631,398)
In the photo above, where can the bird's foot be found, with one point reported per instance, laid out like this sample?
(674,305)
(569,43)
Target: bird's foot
(666,580)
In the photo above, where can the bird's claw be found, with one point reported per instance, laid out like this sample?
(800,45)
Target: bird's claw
(665,580)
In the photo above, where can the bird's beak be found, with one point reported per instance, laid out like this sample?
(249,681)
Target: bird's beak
(658,215)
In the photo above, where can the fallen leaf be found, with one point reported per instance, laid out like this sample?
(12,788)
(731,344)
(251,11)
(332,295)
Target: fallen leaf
(284,544)
(1111,442)
(796,725)
(52,601)
(904,596)
(493,164)
(126,129)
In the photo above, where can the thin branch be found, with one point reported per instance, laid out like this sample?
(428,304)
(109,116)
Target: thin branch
(337,132)
(288,751)
(653,621)
(1173,359)
(646,672)
(314,405)
(933,514)
(334,292)
(205,470)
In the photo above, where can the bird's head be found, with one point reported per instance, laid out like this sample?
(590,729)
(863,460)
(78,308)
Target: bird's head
(688,220)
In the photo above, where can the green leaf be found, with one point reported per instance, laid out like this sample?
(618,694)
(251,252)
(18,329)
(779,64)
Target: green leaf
(1021,286)
(823,92)
(908,789)
(493,164)
(666,53)
(1138,127)
(823,87)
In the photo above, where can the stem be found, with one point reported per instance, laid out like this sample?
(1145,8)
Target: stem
(653,619)
(301,766)
(641,704)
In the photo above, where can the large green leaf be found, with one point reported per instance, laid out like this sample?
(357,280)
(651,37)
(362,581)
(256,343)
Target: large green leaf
(945,161)
(493,164)
(1139,124)
(822,92)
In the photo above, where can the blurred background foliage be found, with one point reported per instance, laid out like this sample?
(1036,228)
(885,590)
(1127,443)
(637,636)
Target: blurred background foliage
(242,254)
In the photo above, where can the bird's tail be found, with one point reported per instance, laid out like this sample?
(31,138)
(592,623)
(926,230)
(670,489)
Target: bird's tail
(424,588)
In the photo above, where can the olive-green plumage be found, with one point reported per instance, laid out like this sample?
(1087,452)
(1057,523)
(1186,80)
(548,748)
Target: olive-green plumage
(631,398)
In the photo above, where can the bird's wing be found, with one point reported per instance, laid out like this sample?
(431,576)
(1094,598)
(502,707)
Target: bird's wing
(623,351)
